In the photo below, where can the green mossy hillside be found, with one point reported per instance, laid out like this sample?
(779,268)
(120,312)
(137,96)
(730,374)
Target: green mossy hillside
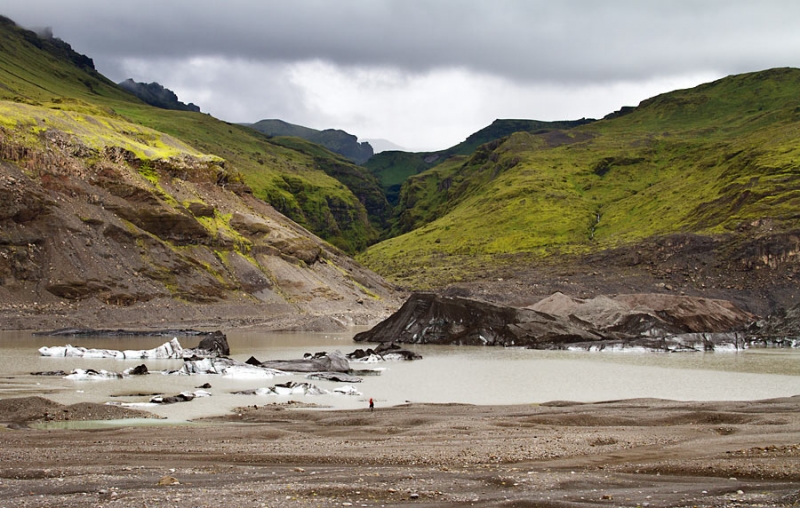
(393,168)
(64,93)
(97,132)
(722,158)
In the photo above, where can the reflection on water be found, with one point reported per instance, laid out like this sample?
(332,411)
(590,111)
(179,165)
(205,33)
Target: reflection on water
(471,375)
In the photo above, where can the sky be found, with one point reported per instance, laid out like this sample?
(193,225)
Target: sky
(423,74)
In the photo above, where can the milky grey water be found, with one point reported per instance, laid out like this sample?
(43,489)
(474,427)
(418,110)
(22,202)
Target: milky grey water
(472,375)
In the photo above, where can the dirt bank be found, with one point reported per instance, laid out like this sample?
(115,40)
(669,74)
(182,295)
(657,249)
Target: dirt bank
(625,453)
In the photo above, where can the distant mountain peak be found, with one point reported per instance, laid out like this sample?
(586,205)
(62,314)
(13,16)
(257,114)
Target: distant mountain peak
(335,140)
(156,95)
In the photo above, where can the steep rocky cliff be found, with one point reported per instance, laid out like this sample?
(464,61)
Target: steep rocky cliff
(156,95)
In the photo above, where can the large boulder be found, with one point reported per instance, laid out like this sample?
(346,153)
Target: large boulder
(214,344)
(249,224)
(302,248)
(156,95)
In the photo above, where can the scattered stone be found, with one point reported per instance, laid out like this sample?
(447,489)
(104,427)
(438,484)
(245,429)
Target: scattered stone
(139,370)
(168,480)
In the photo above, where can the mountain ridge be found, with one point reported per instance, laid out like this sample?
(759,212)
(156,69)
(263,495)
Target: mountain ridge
(335,140)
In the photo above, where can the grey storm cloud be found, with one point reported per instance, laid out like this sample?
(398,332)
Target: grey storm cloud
(557,41)
(421,73)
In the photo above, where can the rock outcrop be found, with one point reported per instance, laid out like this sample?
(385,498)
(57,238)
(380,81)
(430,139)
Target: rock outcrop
(156,95)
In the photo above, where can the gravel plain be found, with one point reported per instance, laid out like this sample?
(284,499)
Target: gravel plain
(634,453)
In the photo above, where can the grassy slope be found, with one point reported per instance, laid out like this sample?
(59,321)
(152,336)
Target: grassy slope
(714,159)
(393,168)
(41,75)
(360,182)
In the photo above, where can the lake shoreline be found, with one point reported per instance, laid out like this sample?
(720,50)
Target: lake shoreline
(618,453)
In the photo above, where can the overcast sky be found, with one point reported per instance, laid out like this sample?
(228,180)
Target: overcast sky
(423,74)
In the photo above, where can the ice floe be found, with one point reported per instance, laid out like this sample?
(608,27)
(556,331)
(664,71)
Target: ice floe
(181,397)
(293,388)
(168,350)
(92,375)
(226,367)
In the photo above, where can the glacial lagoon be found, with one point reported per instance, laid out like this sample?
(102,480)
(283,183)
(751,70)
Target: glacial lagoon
(446,374)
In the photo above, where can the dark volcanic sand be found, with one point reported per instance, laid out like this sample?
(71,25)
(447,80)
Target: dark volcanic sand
(625,453)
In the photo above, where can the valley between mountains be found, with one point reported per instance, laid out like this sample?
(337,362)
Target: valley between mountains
(115,212)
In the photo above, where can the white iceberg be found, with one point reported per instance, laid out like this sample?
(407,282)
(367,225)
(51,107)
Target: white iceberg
(168,350)
(92,375)
(226,367)
(131,404)
(251,372)
(373,358)
(292,388)
(347,390)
